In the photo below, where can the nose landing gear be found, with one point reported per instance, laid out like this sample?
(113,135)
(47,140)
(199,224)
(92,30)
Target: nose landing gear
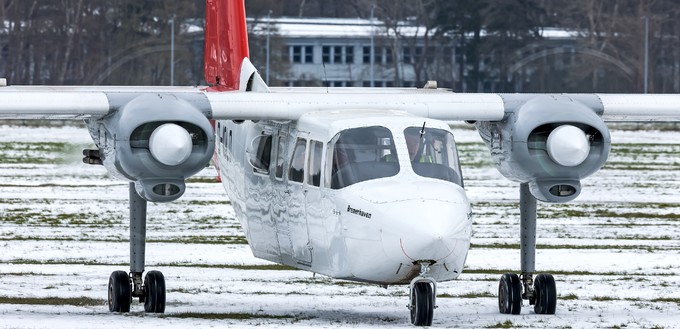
(423,290)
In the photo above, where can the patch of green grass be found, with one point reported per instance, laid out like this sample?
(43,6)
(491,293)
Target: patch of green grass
(25,274)
(196,239)
(201,180)
(667,300)
(227,316)
(469,295)
(555,272)
(74,301)
(66,261)
(575,247)
(506,324)
(208,202)
(268,267)
(39,152)
(604,298)
(571,296)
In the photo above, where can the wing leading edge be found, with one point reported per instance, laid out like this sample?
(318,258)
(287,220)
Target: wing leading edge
(43,102)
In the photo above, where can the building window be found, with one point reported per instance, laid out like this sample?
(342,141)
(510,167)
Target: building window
(407,55)
(418,55)
(326,54)
(302,54)
(297,54)
(429,57)
(382,55)
(337,83)
(412,55)
(337,54)
(349,54)
(309,54)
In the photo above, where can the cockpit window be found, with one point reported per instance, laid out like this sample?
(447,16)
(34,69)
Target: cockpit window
(362,154)
(433,153)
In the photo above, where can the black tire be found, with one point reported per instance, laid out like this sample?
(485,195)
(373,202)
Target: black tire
(545,294)
(422,305)
(154,292)
(119,292)
(510,294)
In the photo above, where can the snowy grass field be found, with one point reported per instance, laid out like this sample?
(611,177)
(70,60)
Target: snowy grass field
(615,251)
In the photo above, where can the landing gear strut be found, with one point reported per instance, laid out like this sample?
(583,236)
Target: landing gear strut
(123,287)
(541,291)
(423,297)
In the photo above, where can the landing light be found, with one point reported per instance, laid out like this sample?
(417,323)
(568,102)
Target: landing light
(568,146)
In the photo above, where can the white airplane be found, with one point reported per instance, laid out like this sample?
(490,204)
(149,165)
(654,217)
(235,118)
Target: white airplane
(356,183)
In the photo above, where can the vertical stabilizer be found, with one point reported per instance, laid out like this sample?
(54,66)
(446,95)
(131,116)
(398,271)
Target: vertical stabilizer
(226,43)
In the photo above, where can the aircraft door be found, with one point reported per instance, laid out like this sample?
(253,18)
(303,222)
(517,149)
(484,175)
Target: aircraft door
(282,199)
(297,219)
(315,205)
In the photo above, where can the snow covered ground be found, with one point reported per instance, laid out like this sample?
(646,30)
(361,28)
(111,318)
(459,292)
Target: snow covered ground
(615,251)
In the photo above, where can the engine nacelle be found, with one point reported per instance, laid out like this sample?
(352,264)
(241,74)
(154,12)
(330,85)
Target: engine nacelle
(155,141)
(549,142)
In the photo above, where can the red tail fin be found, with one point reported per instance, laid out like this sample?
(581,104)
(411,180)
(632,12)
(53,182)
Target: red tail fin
(226,43)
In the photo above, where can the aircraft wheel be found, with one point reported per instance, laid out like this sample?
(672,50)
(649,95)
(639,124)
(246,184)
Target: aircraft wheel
(154,292)
(510,294)
(545,294)
(119,292)
(422,304)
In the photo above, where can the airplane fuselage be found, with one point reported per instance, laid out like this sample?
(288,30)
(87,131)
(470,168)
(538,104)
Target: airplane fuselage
(342,194)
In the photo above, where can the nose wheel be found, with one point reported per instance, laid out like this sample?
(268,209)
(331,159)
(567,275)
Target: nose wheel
(423,298)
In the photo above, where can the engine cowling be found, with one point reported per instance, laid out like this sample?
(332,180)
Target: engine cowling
(549,142)
(155,141)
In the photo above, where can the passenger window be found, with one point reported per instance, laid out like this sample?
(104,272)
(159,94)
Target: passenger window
(229,150)
(261,158)
(315,154)
(296,173)
(280,156)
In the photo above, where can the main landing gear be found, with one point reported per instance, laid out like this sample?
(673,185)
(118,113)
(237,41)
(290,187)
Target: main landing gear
(423,297)
(123,287)
(540,291)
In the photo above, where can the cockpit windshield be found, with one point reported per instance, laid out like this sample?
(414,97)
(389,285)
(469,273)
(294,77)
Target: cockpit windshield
(433,153)
(362,154)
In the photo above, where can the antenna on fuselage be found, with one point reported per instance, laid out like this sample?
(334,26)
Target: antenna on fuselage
(325,77)
(421,142)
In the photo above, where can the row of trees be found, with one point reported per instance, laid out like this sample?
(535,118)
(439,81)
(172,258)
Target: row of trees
(127,42)
(94,41)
